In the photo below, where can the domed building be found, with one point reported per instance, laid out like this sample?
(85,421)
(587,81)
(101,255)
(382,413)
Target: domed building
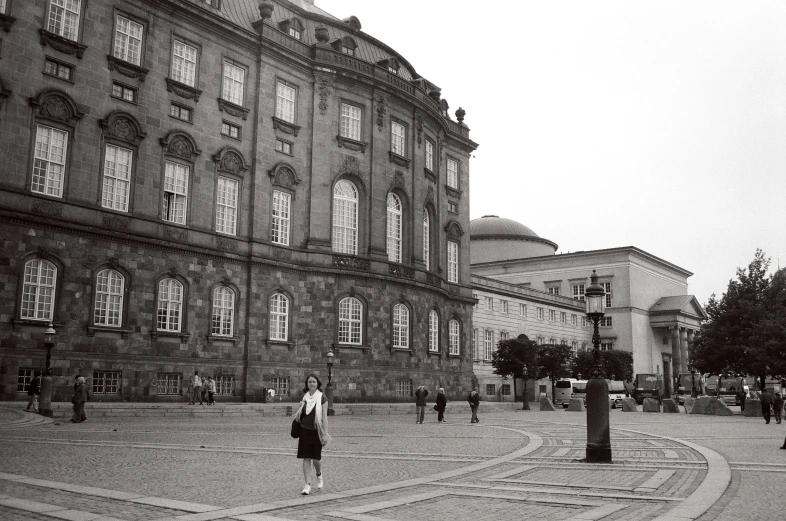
(495,238)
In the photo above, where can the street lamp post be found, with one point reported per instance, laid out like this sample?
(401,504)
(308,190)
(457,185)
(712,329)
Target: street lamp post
(525,406)
(45,405)
(598,435)
(329,388)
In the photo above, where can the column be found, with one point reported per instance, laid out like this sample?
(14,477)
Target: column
(675,356)
(667,387)
(683,350)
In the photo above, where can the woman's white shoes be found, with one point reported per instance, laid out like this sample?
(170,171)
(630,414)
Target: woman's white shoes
(320,483)
(306,489)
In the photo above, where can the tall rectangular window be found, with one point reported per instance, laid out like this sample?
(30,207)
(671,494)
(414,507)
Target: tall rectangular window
(280,222)
(453,262)
(117,178)
(607,289)
(578,292)
(223,311)
(429,155)
(552,315)
(475,347)
(23,379)
(285,102)
(38,290)
(523,310)
(504,306)
(232,89)
(574,320)
(540,313)
(128,40)
(64,18)
(350,121)
(2,6)
(175,192)
(49,163)
(184,58)
(490,303)
(398,138)
(488,344)
(453,173)
(563,317)
(226,206)
(453,337)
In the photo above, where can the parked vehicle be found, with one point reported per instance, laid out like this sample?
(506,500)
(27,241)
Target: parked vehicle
(725,387)
(647,385)
(617,392)
(686,383)
(566,388)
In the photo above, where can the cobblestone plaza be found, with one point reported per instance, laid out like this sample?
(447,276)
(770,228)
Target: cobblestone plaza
(514,464)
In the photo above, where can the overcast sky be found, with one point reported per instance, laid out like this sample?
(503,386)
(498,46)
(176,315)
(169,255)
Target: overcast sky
(653,124)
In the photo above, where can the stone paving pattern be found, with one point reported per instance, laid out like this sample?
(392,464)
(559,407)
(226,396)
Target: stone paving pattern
(513,465)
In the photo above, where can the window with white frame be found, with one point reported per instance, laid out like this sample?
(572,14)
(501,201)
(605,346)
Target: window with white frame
(607,289)
(110,285)
(184,60)
(490,303)
(503,335)
(38,290)
(225,384)
(348,46)
(296,29)
(234,78)
(563,317)
(403,387)
(488,344)
(475,346)
(351,116)
(398,138)
(394,228)
(226,205)
(523,310)
(285,102)
(574,347)
(230,130)
(106,382)
(606,346)
(64,18)
(123,92)
(504,306)
(58,69)
(430,155)
(50,160)
(345,218)
(128,40)
(453,173)
(279,233)
(578,292)
(574,319)
(453,262)
(540,313)
(553,290)
(433,331)
(552,315)
(168,383)
(117,178)
(583,321)
(400,326)
(279,317)
(285,147)
(175,192)
(170,304)
(426,239)
(23,379)
(541,340)
(350,321)
(605,321)
(453,337)
(223,311)
(281,385)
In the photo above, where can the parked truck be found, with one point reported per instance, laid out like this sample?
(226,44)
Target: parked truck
(647,385)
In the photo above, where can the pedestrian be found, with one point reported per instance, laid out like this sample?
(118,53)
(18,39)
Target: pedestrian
(80,397)
(205,388)
(211,390)
(75,416)
(420,403)
(741,396)
(33,391)
(777,407)
(196,389)
(440,406)
(312,416)
(474,401)
(766,405)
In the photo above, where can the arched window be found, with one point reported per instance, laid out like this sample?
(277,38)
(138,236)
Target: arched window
(426,239)
(38,292)
(394,228)
(433,331)
(223,311)
(110,285)
(453,262)
(348,46)
(350,321)
(345,218)
(400,326)
(279,317)
(453,337)
(296,29)
(170,305)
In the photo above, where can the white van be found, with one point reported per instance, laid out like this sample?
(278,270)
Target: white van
(616,392)
(569,388)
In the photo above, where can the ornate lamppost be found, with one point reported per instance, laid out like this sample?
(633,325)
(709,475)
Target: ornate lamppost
(525,375)
(329,388)
(598,435)
(45,404)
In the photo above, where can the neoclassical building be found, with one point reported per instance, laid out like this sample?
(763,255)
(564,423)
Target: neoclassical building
(229,186)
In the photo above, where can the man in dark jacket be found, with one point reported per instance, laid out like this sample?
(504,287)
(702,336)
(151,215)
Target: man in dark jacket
(777,407)
(474,401)
(766,404)
(33,391)
(420,403)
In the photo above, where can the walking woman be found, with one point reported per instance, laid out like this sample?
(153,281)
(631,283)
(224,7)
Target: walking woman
(312,415)
(80,397)
(441,403)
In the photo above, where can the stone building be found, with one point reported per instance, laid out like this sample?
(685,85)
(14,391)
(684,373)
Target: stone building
(234,187)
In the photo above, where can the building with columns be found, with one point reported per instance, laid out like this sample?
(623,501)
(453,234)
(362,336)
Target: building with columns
(649,311)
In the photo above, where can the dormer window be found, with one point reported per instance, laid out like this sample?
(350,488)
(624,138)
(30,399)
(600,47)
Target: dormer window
(348,46)
(295,29)
(393,66)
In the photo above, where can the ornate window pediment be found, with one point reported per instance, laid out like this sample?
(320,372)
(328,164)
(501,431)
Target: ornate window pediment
(54,105)
(454,230)
(180,144)
(230,160)
(123,126)
(284,175)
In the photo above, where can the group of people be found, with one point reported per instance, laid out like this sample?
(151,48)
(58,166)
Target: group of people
(202,389)
(80,396)
(771,404)
(473,398)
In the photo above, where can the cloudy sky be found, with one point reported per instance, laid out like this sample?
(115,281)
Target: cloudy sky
(655,124)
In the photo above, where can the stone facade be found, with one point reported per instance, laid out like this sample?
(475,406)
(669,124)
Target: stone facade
(92,90)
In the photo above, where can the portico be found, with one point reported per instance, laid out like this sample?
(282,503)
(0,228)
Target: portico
(678,317)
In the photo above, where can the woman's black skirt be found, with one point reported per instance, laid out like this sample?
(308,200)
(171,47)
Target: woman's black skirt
(308,445)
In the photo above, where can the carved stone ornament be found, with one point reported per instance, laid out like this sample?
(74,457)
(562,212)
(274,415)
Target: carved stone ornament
(265,10)
(401,271)
(58,106)
(47,208)
(232,109)
(453,192)
(398,179)
(175,234)
(113,263)
(419,128)
(285,126)
(381,111)
(180,144)
(230,160)
(349,165)
(341,261)
(127,69)
(453,230)
(172,271)
(115,222)
(284,176)
(122,126)
(351,144)
(322,34)
(226,244)
(6,22)
(352,291)
(432,279)
(399,160)
(183,90)
(64,45)
(430,194)
(282,253)
(324,90)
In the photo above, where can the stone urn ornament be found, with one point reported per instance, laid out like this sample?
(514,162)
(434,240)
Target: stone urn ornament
(322,35)
(265,10)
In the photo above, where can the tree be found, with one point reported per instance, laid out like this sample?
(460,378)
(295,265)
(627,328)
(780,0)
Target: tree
(553,363)
(616,364)
(511,356)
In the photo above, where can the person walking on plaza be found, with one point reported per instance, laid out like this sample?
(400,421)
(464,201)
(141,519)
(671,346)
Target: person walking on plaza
(33,391)
(196,389)
(420,403)
(205,386)
(313,419)
(442,402)
(80,397)
(474,401)
(766,405)
(741,395)
(777,407)
(211,390)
